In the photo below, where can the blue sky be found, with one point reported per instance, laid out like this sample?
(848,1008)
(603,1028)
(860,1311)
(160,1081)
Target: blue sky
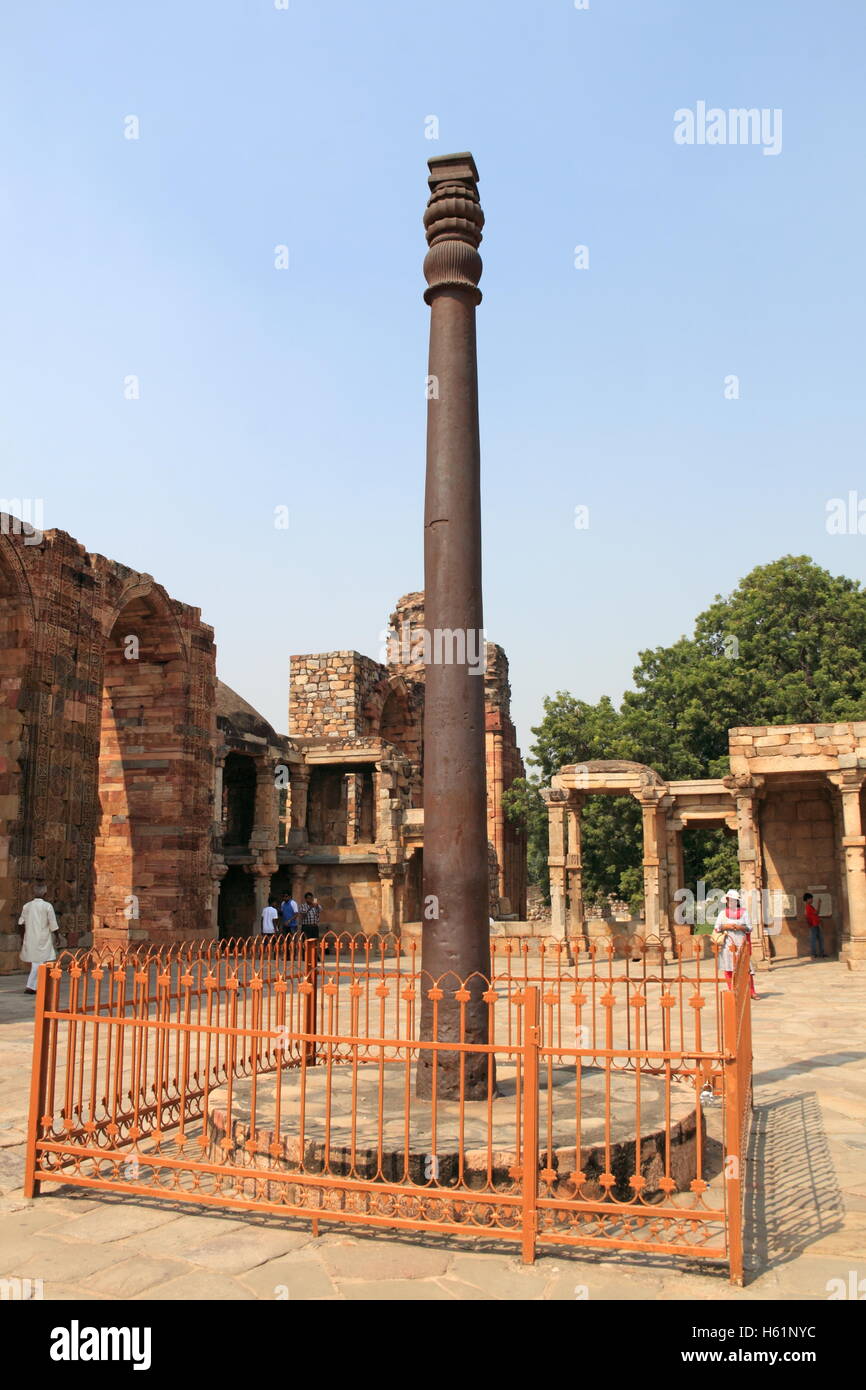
(304,387)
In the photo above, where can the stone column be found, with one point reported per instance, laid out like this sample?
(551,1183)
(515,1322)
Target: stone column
(389,882)
(299,882)
(267,812)
(495,782)
(219,869)
(653,861)
(262,891)
(354,791)
(676,868)
(849,782)
(299,777)
(218,809)
(574,867)
(747,792)
(455,793)
(557,811)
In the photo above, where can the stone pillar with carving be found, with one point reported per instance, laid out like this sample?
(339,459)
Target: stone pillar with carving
(299,882)
(574,868)
(849,783)
(299,774)
(676,876)
(747,792)
(218,827)
(263,840)
(354,789)
(262,891)
(390,880)
(654,865)
(267,811)
(218,866)
(557,812)
(219,869)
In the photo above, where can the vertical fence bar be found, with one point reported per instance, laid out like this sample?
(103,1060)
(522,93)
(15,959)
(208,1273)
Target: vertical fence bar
(530,1123)
(37,1084)
(733,1156)
(310,1001)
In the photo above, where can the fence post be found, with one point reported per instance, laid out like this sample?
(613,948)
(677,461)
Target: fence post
(38,1076)
(530,1122)
(733,1156)
(310,1011)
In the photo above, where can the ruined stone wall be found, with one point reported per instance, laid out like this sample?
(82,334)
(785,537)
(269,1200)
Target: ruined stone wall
(802,747)
(328,692)
(80,700)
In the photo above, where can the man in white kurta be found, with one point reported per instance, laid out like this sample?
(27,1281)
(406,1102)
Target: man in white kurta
(39,923)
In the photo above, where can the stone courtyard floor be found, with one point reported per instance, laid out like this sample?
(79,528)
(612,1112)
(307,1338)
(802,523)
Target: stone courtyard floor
(806,1179)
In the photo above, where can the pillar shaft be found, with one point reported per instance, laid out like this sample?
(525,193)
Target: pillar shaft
(854,848)
(299,778)
(456,943)
(557,811)
(574,869)
(752,870)
(652,866)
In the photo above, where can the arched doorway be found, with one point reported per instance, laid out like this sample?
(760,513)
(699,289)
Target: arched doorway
(142,835)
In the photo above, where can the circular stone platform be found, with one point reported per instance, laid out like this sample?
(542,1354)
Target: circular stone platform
(370,1154)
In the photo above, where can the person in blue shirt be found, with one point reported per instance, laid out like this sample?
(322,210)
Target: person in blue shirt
(288,914)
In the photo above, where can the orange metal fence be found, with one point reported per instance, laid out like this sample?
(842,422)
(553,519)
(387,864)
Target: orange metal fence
(279,1076)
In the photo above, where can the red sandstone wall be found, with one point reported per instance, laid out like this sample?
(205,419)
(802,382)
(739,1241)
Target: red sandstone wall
(53,825)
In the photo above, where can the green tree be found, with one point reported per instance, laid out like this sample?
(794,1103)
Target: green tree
(523,805)
(788,646)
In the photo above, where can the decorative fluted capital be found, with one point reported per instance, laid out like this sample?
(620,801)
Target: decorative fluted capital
(453,220)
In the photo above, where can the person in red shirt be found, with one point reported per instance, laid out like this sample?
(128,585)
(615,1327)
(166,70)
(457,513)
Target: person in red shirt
(816,935)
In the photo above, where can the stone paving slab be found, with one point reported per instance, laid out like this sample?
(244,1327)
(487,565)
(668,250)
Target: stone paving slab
(806,1203)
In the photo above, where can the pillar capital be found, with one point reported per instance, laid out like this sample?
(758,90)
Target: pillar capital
(452,221)
(744,785)
(554,796)
(847,779)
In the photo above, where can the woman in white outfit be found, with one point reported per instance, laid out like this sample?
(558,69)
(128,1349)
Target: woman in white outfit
(734,930)
(39,923)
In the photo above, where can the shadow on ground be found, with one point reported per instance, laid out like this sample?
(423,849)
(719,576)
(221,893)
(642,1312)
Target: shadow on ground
(792,1196)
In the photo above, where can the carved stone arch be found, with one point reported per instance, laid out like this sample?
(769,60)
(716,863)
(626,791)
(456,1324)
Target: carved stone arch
(378,697)
(141,591)
(13,577)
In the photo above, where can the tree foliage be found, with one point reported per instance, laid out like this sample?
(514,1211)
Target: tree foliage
(788,646)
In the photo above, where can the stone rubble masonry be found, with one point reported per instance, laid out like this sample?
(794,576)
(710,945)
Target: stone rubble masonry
(339,696)
(328,690)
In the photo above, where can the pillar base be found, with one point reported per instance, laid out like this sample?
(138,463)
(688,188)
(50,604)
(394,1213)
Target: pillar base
(853,953)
